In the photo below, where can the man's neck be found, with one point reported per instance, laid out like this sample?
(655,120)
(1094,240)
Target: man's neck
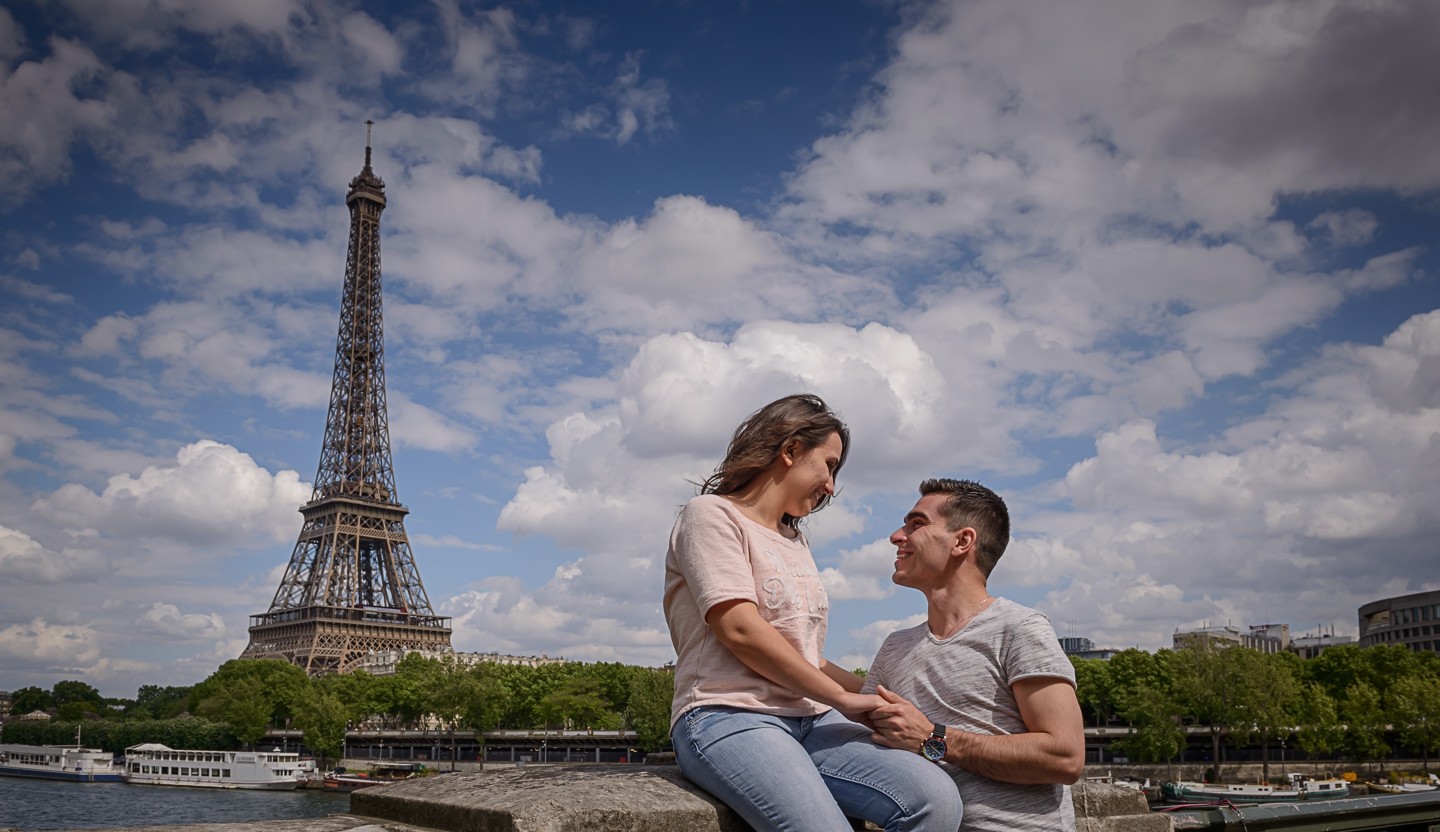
(953,607)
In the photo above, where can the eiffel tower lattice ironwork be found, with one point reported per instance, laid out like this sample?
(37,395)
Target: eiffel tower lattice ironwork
(352,587)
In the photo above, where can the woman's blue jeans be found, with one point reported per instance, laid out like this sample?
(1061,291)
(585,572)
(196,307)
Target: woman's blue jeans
(808,774)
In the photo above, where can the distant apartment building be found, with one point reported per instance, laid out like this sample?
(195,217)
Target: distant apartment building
(1084,648)
(1309,646)
(382,662)
(1267,638)
(4,704)
(1409,620)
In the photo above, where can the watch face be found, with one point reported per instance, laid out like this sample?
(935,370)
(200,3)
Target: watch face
(933,749)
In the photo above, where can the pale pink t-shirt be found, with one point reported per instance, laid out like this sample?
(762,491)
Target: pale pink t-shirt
(718,554)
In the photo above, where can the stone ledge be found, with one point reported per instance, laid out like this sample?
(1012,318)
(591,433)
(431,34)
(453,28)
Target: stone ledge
(551,799)
(635,799)
(331,823)
(1100,807)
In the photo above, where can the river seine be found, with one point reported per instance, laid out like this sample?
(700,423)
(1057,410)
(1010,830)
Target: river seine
(27,804)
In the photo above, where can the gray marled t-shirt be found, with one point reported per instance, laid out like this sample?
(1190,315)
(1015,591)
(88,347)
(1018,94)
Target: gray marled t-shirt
(964,682)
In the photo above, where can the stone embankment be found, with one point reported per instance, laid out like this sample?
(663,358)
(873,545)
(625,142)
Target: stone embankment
(595,799)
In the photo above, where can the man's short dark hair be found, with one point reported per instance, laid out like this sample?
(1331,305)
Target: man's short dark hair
(969,503)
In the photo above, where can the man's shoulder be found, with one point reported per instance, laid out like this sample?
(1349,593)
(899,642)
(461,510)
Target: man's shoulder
(1016,611)
(906,635)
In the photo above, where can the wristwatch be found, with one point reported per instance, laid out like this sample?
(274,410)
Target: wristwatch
(934,748)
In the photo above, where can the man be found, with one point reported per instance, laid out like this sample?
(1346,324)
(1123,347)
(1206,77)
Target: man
(982,687)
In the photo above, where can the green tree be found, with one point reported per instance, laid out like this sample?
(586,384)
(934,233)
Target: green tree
(1318,730)
(1389,663)
(243,704)
(1154,717)
(1268,695)
(409,691)
(321,715)
(75,711)
(28,699)
(73,691)
(651,694)
(491,699)
(156,702)
(469,697)
(579,703)
(1415,711)
(1339,668)
(1365,722)
(1095,688)
(280,683)
(358,691)
(528,686)
(1206,685)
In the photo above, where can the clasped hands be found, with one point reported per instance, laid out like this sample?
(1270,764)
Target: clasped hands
(895,722)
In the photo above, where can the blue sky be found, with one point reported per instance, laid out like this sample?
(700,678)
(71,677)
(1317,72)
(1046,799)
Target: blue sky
(1160,272)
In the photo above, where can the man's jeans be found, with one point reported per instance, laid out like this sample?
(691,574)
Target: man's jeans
(807,774)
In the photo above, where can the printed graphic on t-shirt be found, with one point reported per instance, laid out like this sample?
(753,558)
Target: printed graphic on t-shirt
(794,585)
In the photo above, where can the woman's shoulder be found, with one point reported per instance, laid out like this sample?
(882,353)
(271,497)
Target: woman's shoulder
(713,508)
(709,508)
(708,503)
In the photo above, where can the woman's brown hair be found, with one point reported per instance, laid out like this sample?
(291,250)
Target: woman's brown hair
(761,438)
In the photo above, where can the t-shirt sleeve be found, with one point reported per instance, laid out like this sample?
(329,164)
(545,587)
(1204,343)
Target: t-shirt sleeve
(710,552)
(1035,651)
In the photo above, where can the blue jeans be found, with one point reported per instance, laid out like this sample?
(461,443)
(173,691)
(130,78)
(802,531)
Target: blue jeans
(807,774)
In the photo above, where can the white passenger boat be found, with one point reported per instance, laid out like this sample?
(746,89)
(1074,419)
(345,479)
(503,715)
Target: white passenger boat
(59,762)
(152,764)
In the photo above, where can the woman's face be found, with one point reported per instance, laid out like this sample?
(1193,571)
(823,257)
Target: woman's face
(811,475)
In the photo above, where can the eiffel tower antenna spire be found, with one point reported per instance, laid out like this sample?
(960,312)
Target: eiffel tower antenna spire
(352,587)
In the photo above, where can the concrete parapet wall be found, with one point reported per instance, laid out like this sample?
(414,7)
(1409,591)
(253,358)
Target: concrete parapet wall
(551,799)
(634,799)
(1100,807)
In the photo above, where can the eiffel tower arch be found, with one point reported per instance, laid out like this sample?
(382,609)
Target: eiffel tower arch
(351,587)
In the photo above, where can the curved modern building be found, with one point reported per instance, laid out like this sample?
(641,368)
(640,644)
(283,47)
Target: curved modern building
(1409,620)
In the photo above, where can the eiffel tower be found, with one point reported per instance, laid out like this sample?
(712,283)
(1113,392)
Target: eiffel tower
(352,587)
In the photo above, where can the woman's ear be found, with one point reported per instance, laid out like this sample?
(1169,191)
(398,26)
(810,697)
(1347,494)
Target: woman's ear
(790,451)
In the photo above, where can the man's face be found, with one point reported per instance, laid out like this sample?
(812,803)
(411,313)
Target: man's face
(923,545)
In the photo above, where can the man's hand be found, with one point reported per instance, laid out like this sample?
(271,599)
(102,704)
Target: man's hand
(899,724)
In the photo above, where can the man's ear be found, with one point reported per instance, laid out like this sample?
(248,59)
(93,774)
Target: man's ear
(964,542)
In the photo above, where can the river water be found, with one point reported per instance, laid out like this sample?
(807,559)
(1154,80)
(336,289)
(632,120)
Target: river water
(28,804)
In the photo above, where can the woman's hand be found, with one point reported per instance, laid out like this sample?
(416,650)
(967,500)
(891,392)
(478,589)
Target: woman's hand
(857,707)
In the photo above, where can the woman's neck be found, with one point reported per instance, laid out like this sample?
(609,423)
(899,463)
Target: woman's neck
(760,501)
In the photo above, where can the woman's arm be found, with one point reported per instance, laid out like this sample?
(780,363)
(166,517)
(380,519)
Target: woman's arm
(737,625)
(845,678)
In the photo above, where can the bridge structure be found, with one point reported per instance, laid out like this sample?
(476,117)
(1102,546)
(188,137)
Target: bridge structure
(439,748)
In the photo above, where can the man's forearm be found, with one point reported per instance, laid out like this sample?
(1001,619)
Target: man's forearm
(1032,758)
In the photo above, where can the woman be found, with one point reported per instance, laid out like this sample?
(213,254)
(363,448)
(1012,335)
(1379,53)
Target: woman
(760,718)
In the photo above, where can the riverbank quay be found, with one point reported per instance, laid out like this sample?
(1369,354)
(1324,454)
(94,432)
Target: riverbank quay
(589,798)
